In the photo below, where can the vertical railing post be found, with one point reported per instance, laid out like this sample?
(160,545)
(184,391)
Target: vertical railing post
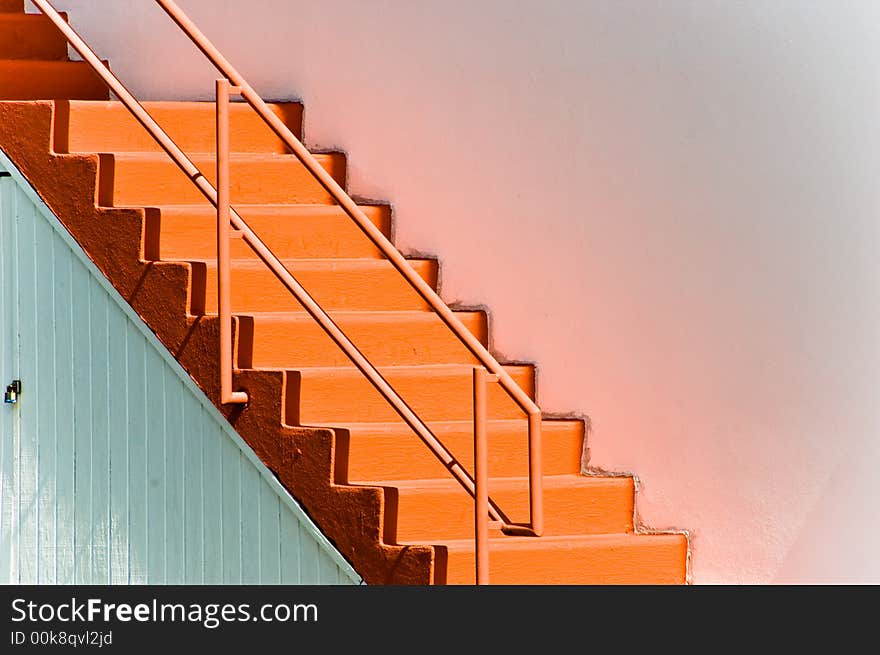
(224,302)
(536,474)
(481,475)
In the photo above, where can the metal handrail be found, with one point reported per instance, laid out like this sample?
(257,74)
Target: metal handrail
(385,246)
(219,198)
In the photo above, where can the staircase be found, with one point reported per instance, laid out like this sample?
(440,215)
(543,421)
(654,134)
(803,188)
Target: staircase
(376,491)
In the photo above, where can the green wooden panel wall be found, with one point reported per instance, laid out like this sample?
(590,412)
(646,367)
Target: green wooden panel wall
(114,468)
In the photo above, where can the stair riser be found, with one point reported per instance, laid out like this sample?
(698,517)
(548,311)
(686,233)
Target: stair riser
(605,507)
(646,560)
(109,127)
(327,398)
(386,342)
(30,37)
(258,290)
(322,235)
(11,6)
(49,80)
(150,182)
(403,456)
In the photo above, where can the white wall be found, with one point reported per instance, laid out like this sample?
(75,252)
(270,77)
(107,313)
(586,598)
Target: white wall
(671,206)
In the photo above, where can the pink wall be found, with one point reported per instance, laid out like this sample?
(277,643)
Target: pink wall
(672,207)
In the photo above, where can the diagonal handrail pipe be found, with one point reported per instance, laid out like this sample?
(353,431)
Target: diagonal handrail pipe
(387,248)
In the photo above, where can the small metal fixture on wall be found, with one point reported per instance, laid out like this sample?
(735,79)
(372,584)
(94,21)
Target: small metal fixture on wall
(13,391)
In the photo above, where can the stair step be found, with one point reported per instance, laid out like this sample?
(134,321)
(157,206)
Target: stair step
(49,80)
(109,127)
(428,510)
(291,231)
(30,36)
(639,559)
(11,6)
(392,451)
(149,180)
(337,284)
(386,338)
(331,396)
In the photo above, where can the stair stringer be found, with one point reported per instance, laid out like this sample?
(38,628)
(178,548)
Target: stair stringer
(303,458)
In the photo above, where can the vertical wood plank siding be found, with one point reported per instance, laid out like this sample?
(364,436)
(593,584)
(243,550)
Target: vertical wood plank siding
(114,468)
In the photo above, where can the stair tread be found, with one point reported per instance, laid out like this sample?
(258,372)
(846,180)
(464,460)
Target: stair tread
(391,451)
(377,316)
(360,263)
(45,63)
(233,157)
(148,179)
(262,209)
(173,104)
(411,369)
(20,17)
(603,558)
(450,424)
(563,481)
(107,127)
(503,542)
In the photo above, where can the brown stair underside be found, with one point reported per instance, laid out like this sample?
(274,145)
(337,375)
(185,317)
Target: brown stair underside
(373,488)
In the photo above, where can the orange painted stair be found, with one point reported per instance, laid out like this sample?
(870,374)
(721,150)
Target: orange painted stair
(390,451)
(387,338)
(340,284)
(34,61)
(439,509)
(146,179)
(384,500)
(643,559)
(109,127)
(291,231)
